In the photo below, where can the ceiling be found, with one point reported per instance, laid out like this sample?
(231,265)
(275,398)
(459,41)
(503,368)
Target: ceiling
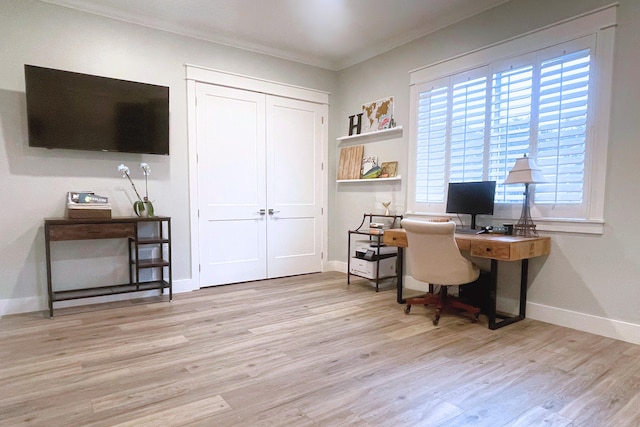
(332,34)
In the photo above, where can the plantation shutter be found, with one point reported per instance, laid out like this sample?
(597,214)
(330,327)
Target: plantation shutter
(510,127)
(431,145)
(562,128)
(468,106)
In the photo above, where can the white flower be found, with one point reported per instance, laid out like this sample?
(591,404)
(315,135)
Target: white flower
(146,169)
(123,170)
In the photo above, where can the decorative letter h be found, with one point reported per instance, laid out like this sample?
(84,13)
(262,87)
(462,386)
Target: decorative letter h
(357,126)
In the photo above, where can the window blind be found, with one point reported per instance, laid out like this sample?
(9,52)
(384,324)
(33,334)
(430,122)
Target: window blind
(538,109)
(562,127)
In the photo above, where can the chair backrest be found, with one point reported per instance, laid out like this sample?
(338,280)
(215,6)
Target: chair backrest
(434,256)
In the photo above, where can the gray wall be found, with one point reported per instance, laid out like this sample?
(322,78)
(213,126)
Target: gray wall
(586,277)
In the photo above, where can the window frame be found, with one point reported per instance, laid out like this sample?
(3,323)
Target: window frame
(596,27)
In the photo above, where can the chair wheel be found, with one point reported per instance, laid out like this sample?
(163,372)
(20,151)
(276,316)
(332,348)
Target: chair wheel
(407,309)
(475,318)
(436,320)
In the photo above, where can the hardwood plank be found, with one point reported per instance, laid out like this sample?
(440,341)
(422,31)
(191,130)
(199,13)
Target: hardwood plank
(305,351)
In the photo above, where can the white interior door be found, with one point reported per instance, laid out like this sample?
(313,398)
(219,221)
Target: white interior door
(294,187)
(231,184)
(259,161)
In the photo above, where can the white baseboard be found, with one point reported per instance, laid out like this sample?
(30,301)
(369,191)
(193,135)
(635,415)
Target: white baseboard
(32,304)
(338,266)
(609,328)
(22,305)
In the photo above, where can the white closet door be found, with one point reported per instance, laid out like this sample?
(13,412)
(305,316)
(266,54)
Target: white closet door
(294,187)
(259,185)
(231,184)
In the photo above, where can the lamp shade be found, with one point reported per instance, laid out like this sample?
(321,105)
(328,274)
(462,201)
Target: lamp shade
(525,171)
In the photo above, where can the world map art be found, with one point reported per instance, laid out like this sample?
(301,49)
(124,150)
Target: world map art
(378,115)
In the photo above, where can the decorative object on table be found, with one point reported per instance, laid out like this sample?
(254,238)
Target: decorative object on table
(389,169)
(374,172)
(378,114)
(141,207)
(357,126)
(386,207)
(350,162)
(369,167)
(87,204)
(526,172)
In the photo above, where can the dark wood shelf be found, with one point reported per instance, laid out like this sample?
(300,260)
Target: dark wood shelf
(153,262)
(109,290)
(152,241)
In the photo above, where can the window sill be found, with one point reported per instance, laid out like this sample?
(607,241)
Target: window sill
(561,225)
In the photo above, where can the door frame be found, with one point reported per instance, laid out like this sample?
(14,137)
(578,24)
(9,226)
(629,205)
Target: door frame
(197,74)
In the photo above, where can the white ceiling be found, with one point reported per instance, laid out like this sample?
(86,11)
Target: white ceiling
(331,34)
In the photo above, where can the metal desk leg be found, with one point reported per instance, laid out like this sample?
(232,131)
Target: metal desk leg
(348,258)
(493,290)
(524,274)
(507,320)
(49,284)
(400,274)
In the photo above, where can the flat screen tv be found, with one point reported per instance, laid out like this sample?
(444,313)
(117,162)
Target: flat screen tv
(474,198)
(85,112)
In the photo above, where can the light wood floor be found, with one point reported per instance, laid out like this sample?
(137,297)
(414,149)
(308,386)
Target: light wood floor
(305,351)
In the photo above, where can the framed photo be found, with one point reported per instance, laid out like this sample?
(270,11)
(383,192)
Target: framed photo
(377,115)
(389,169)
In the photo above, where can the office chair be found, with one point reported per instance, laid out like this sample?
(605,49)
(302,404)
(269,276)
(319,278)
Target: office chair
(435,259)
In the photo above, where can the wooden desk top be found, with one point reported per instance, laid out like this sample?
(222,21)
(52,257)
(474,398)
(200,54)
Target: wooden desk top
(498,246)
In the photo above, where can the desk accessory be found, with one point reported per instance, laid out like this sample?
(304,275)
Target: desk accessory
(526,172)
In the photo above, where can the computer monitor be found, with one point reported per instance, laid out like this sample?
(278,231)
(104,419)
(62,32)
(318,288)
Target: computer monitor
(471,198)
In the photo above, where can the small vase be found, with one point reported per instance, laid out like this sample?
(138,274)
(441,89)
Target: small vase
(143,208)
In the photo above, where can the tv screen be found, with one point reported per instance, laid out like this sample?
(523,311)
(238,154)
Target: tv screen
(471,198)
(85,112)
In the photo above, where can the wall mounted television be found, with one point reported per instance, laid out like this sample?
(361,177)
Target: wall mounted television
(474,198)
(85,112)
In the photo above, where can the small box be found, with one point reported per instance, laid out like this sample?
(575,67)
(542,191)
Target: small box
(364,268)
(76,212)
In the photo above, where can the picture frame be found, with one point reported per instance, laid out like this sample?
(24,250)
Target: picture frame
(389,169)
(378,115)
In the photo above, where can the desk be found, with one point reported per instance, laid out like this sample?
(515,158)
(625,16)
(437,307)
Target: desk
(494,247)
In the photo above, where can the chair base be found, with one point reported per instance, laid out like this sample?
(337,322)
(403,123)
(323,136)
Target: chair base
(441,302)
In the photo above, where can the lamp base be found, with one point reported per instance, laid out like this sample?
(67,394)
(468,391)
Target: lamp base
(525,226)
(525,230)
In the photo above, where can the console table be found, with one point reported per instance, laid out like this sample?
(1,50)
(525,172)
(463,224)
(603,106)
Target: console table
(496,248)
(61,229)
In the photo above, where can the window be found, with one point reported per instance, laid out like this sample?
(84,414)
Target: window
(472,125)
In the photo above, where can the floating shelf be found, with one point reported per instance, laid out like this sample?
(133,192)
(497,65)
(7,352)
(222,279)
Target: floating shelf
(381,134)
(395,178)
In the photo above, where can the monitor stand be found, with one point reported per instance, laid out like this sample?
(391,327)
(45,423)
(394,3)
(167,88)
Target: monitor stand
(473,221)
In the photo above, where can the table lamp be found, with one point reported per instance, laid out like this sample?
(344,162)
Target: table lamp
(526,172)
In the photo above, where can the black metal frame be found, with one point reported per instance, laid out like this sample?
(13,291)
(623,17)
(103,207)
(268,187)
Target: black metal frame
(371,237)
